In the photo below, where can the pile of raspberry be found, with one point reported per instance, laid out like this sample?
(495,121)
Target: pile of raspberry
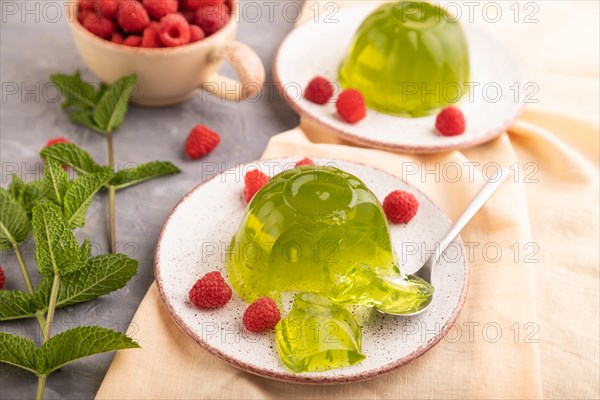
(153,23)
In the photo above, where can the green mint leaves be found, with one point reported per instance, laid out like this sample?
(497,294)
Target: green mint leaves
(14,222)
(111,108)
(61,349)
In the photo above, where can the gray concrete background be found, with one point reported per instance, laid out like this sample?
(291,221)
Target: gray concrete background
(35,44)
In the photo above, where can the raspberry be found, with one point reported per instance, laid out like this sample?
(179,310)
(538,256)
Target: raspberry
(174,30)
(117,38)
(101,27)
(2,278)
(57,140)
(201,141)
(189,16)
(261,315)
(193,5)
(150,37)
(210,291)
(108,8)
(133,41)
(159,8)
(305,161)
(400,207)
(351,106)
(196,33)
(450,121)
(253,181)
(132,16)
(212,17)
(319,90)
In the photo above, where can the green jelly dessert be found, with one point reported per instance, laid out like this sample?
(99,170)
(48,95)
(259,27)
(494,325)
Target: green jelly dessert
(408,58)
(360,286)
(303,230)
(318,335)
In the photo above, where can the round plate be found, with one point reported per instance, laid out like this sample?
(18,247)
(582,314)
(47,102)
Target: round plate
(194,240)
(317,48)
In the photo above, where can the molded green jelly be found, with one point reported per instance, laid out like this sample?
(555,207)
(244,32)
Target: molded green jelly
(306,227)
(360,286)
(408,58)
(318,335)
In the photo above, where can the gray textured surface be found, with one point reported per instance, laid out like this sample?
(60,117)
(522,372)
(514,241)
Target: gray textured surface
(31,48)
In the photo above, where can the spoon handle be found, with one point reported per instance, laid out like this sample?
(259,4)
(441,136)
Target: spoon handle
(478,201)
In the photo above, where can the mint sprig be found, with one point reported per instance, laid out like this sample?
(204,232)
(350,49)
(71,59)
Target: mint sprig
(103,110)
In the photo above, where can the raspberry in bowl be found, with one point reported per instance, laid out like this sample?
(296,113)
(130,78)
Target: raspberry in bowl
(175,47)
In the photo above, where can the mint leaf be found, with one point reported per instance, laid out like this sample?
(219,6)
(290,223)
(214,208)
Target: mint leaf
(56,182)
(84,117)
(102,275)
(79,196)
(111,108)
(14,222)
(56,249)
(18,351)
(143,172)
(27,194)
(86,250)
(77,343)
(73,156)
(76,91)
(16,304)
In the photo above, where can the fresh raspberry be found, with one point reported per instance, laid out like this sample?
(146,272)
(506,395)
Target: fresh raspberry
(212,17)
(159,8)
(201,141)
(351,106)
(450,121)
(150,37)
(174,30)
(193,5)
(319,90)
(400,207)
(57,140)
(88,9)
(196,33)
(210,291)
(189,16)
(117,38)
(2,278)
(132,16)
(108,8)
(101,27)
(305,161)
(253,181)
(261,315)
(133,41)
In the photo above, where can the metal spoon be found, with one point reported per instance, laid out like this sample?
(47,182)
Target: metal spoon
(478,201)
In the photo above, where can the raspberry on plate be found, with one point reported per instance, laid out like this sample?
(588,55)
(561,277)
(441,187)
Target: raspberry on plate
(351,106)
(196,33)
(2,278)
(212,17)
(200,141)
(319,90)
(150,36)
(261,315)
(101,27)
(159,8)
(254,180)
(450,121)
(400,207)
(305,161)
(132,16)
(210,291)
(133,41)
(174,30)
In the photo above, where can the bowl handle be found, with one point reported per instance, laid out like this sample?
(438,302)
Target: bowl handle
(248,67)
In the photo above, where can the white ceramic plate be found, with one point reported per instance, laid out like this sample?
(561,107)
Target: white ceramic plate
(195,237)
(317,48)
